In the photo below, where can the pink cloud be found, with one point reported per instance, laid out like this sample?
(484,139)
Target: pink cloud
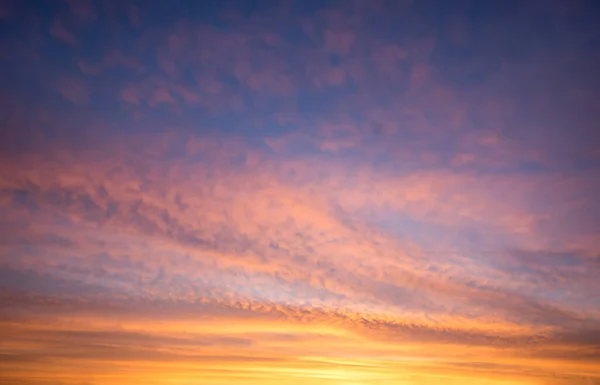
(167,61)
(61,33)
(134,15)
(269,77)
(457,30)
(331,76)
(6,10)
(275,234)
(111,59)
(74,90)
(84,11)
(209,83)
(117,58)
(400,202)
(187,94)
(420,76)
(338,41)
(388,59)
(462,159)
(161,95)
(131,94)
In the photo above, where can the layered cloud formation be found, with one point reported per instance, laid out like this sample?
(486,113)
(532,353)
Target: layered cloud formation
(295,192)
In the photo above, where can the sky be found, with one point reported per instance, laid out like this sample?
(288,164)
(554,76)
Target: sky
(352,192)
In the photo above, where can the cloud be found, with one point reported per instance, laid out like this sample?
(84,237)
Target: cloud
(74,90)
(198,327)
(281,238)
(321,194)
(62,34)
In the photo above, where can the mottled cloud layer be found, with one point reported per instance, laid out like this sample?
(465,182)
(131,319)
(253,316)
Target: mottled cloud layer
(291,192)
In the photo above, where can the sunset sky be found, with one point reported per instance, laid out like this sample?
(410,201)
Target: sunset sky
(352,192)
